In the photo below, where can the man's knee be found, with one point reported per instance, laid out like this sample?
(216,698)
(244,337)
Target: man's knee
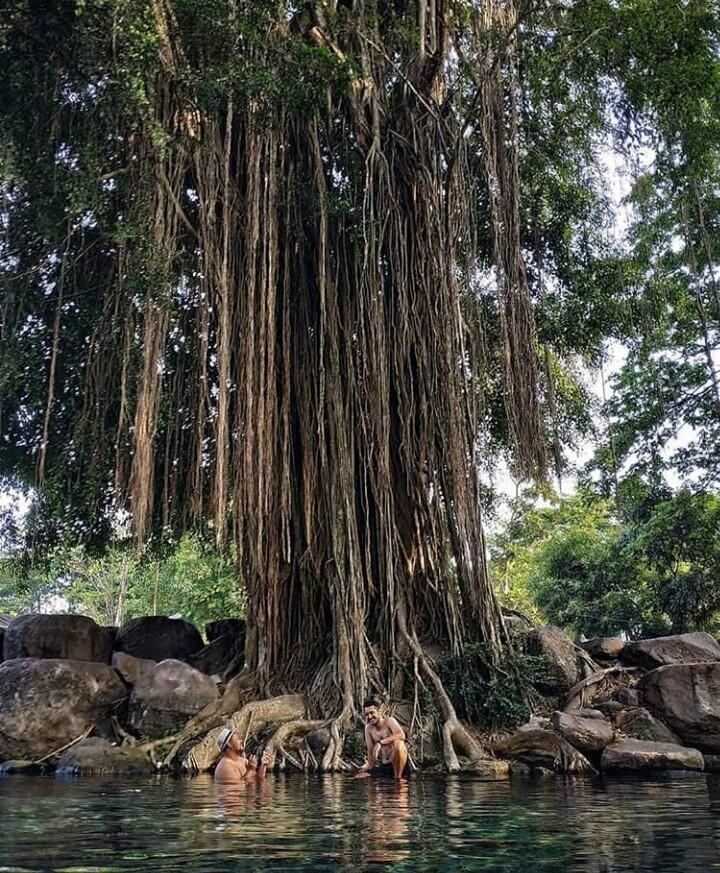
(399,747)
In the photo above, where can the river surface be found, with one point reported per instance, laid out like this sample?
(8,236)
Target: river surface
(293,822)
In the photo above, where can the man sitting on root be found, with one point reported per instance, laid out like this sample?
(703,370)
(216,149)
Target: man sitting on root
(234,766)
(385,740)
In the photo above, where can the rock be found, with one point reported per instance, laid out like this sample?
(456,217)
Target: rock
(164,698)
(96,757)
(224,657)
(628,696)
(543,773)
(21,768)
(686,697)
(639,724)
(518,770)
(608,707)
(75,637)
(589,734)
(491,770)
(157,638)
(318,741)
(45,703)
(2,643)
(559,650)
(543,748)
(712,763)
(691,648)
(131,668)
(643,755)
(234,627)
(603,648)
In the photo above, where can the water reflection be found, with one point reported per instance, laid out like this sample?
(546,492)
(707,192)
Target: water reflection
(337,823)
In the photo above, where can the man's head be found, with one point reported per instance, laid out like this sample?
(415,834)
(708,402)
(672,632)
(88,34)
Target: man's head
(371,711)
(227,739)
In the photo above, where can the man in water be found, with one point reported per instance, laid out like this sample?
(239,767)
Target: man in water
(234,766)
(385,740)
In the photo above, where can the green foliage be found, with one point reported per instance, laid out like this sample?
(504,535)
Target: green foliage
(192,580)
(492,696)
(650,569)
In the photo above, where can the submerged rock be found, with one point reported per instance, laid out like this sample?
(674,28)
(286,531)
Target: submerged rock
(96,756)
(540,747)
(691,648)
(164,698)
(157,638)
(639,724)
(643,755)
(687,698)
(587,733)
(559,650)
(75,637)
(45,703)
(491,770)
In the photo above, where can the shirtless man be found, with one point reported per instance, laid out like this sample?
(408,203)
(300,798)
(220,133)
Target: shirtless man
(385,740)
(234,766)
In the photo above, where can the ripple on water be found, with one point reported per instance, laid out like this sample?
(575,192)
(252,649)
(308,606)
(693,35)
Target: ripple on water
(664,824)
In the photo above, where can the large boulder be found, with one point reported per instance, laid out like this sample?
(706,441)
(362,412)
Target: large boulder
(691,648)
(559,650)
(603,649)
(131,668)
(587,733)
(223,657)
(224,627)
(46,703)
(643,755)
(639,724)
(687,698)
(75,637)
(538,747)
(164,698)
(157,638)
(98,757)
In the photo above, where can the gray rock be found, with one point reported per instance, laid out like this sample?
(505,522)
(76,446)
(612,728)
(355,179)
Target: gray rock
(2,643)
(21,768)
(587,734)
(643,755)
(157,638)
(628,696)
(75,637)
(131,668)
(639,724)
(603,648)
(95,757)
(46,703)
(691,648)
(559,650)
(543,748)
(686,697)
(164,698)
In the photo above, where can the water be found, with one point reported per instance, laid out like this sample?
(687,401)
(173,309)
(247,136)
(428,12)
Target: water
(294,822)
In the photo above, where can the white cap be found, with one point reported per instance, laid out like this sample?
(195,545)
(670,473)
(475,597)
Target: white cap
(223,738)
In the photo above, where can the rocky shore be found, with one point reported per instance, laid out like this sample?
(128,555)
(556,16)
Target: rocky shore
(79,698)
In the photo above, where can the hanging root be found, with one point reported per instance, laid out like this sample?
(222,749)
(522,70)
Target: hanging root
(455,736)
(599,683)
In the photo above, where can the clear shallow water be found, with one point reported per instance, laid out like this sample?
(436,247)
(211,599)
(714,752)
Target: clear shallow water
(335,823)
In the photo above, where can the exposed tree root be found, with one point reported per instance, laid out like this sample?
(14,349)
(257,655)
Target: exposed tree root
(213,715)
(455,736)
(542,747)
(285,733)
(586,691)
(247,722)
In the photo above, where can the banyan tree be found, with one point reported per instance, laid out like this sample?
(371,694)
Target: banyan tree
(242,249)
